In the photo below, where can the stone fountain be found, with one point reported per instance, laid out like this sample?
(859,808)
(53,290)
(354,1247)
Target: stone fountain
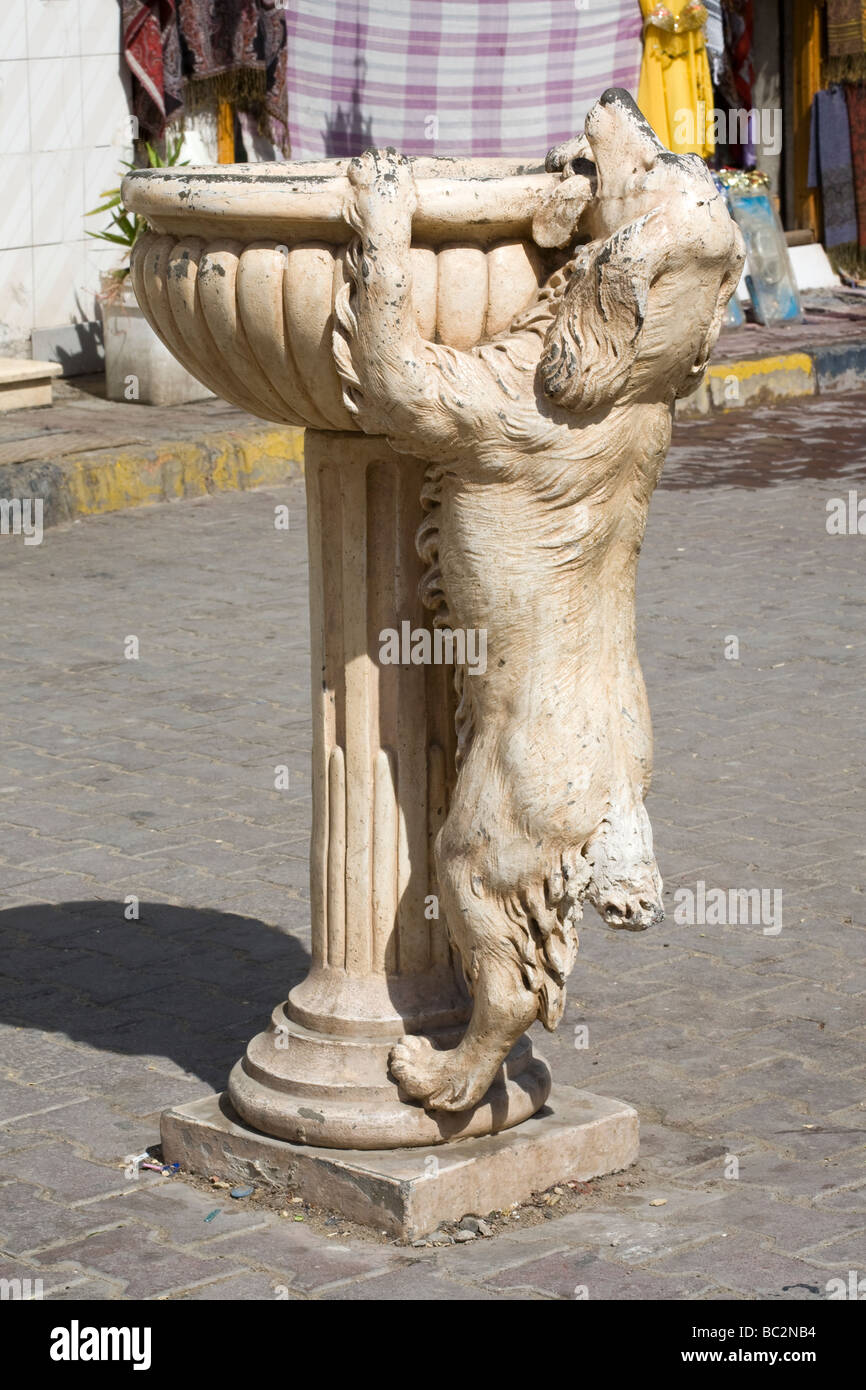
(485,357)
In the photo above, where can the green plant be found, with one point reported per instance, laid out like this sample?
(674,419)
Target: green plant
(126,229)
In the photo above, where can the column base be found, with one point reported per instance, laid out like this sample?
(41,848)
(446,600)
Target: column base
(403,1191)
(334,1091)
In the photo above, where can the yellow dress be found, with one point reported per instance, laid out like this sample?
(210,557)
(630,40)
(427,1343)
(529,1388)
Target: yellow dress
(676,89)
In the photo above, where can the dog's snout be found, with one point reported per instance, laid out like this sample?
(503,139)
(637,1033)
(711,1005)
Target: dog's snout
(618,96)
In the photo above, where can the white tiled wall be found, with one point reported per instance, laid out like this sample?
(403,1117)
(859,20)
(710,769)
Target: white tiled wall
(63,133)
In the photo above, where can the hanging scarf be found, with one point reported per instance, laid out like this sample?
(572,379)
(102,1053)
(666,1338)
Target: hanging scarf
(152,51)
(830,166)
(741,33)
(738,18)
(856,98)
(846,41)
(236,51)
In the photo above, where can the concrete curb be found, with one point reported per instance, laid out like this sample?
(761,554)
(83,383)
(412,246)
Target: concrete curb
(108,480)
(111,479)
(732,384)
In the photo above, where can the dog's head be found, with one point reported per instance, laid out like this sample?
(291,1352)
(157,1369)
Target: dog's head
(644,305)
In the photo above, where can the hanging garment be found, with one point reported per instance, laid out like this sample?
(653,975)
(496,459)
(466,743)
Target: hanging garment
(846,41)
(714,37)
(502,78)
(676,90)
(151,49)
(190,53)
(739,37)
(856,99)
(830,166)
(741,33)
(236,50)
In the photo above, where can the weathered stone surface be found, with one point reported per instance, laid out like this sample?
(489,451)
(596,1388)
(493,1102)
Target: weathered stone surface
(25,383)
(409,1192)
(468,315)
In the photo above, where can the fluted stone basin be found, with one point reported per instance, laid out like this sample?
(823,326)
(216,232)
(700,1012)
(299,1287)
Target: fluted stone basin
(239,274)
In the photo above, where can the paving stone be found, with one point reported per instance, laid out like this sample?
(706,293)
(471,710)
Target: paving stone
(79,1288)
(30,1221)
(33,1057)
(246,1287)
(784,1176)
(577,1274)
(796,1131)
(740,1263)
(304,1261)
(62,1173)
(140,1094)
(178,1212)
(416,1285)
(850,1199)
(791,1227)
(30,1273)
(849,1250)
(480,1258)
(100,1131)
(145,1267)
(22,1098)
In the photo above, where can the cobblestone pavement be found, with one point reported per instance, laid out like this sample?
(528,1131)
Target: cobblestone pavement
(155,777)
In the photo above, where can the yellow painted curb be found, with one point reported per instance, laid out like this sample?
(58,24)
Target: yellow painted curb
(751,381)
(109,480)
(749,368)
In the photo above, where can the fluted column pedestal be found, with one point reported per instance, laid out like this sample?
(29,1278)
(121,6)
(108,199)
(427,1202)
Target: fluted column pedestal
(383,766)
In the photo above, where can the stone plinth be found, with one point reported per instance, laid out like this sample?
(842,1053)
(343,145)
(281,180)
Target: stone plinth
(409,1192)
(25,384)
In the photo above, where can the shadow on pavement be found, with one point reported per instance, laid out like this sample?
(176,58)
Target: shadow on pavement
(182,983)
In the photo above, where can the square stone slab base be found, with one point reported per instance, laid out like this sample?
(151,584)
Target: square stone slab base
(408,1192)
(24,383)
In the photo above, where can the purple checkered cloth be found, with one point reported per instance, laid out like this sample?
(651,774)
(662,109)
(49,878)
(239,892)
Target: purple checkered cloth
(453,77)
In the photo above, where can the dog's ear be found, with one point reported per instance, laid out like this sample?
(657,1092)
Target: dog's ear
(591,346)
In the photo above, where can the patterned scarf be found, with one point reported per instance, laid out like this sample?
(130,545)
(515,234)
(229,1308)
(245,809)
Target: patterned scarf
(235,50)
(856,97)
(193,53)
(846,41)
(739,75)
(151,47)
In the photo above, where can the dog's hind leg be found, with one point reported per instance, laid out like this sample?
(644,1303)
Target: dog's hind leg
(517,948)
(457,1078)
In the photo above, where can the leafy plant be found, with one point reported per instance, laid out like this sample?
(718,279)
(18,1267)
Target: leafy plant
(124,230)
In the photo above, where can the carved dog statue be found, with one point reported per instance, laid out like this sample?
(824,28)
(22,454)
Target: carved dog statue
(548,443)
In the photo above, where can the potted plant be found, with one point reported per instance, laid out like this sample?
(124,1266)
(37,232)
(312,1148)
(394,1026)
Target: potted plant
(138,367)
